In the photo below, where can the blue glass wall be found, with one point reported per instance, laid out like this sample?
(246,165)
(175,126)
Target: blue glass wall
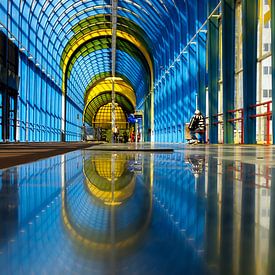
(180,71)
(168,34)
(39,116)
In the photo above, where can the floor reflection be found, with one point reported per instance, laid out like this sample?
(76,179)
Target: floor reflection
(8,204)
(110,211)
(200,210)
(237,218)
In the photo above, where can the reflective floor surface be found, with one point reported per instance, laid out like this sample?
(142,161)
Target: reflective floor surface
(199,210)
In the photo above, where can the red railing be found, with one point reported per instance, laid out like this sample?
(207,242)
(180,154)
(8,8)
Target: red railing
(217,117)
(216,123)
(267,114)
(239,119)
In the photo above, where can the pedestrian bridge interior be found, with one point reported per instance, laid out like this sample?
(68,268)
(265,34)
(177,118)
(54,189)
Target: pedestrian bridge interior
(65,67)
(73,71)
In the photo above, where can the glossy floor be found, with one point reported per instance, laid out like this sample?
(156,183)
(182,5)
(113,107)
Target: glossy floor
(199,210)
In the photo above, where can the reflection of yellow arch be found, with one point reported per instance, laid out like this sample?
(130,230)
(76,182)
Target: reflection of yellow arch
(105,32)
(103,168)
(116,197)
(105,246)
(106,85)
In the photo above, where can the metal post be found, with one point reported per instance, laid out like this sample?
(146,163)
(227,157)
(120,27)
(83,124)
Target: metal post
(268,124)
(228,69)
(113,111)
(250,28)
(213,70)
(114,33)
(136,130)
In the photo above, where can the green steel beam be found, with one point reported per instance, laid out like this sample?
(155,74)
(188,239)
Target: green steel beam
(213,71)
(250,20)
(228,58)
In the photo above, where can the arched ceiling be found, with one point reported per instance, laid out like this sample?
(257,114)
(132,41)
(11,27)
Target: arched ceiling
(73,39)
(102,99)
(103,85)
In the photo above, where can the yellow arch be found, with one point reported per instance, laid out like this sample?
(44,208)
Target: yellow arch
(106,85)
(105,32)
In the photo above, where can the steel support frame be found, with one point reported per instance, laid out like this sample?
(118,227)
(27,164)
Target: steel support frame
(201,57)
(250,20)
(213,70)
(114,37)
(192,57)
(228,61)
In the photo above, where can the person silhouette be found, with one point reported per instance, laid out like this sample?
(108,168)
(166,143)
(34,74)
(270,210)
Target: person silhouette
(197,127)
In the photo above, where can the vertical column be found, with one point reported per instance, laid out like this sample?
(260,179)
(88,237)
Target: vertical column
(213,70)
(5,122)
(250,19)
(63,118)
(201,72)
(113,112)
(228,73)
(5,95)
(185,96)
(152,114)
(201,57)
(273,65)
(192,56)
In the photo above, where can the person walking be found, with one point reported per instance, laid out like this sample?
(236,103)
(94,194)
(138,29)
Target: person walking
(116,134)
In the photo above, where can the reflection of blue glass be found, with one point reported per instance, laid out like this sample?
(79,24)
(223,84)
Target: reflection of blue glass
(46,222)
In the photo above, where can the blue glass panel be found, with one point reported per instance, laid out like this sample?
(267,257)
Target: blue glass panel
(1,113)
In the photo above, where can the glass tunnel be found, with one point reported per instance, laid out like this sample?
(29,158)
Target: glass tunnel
(64,64)
(194,211)
(74,199)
